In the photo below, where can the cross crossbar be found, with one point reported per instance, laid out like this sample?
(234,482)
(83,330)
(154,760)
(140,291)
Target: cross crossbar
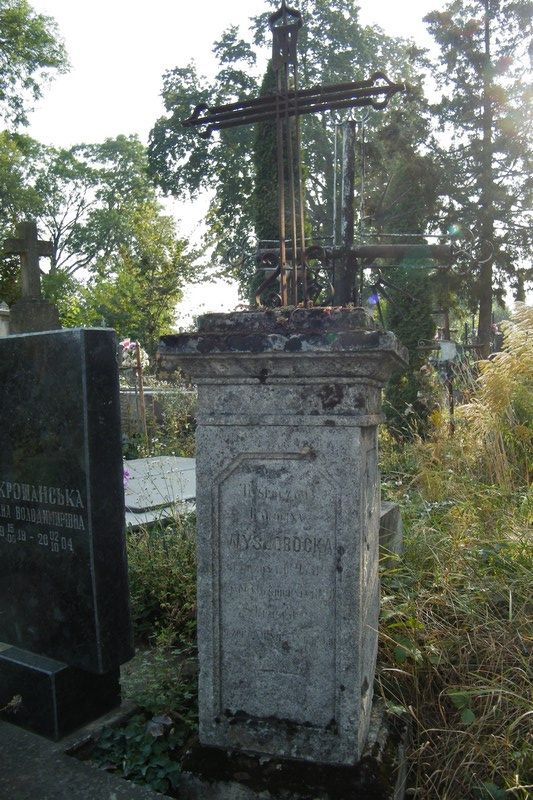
(375,92)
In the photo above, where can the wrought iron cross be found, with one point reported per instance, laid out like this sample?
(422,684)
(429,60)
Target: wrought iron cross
(30,250)
(287,103)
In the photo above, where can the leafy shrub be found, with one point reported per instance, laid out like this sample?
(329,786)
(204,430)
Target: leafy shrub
(162,577)
(163,680)
(171,423)
(174,433)
(145,751)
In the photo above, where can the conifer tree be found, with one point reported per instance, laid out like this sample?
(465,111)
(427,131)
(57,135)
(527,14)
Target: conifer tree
(486,113)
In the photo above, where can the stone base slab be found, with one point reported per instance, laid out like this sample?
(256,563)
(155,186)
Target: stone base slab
(210,773)
(33,768)
(49,697)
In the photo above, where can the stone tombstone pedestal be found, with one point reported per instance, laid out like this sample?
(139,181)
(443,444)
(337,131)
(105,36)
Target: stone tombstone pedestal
(4,319)
(63,572)
(55,699)
(31,314)
(288,495)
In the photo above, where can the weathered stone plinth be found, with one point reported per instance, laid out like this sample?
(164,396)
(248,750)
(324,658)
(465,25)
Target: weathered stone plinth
(288,518)
(32,315)
(213,774)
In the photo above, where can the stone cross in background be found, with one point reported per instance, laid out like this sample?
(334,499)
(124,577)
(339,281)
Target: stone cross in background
(30,249)
(31,313)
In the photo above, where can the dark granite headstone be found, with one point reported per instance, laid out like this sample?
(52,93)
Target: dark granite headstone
(63,573)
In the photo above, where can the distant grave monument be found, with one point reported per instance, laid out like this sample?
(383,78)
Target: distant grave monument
(4,319)
(63,577)
(31,313)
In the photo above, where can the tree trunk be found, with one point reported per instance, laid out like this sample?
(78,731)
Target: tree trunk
(487,201)
(520,288)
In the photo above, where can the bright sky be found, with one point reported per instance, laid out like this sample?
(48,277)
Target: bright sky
(119,51)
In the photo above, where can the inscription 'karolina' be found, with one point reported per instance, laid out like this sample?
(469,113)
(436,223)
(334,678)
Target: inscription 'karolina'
(314,545)
(268,493)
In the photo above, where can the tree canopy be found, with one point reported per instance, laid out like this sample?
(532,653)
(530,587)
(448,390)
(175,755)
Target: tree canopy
(142,281)
(89,197)
(31,51)
(116,254)
(459,167)
(333,46)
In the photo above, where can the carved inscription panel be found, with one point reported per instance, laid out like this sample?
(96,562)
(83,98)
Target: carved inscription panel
(276,589)
(46,517)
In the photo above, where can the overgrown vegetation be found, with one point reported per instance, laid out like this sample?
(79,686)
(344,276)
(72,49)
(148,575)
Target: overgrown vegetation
(147,752)
(455,635)
(456,609)
(162,678)
(162,577)
(171,423)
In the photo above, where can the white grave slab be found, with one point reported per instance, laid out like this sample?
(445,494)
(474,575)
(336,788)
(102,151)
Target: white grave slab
(158,488)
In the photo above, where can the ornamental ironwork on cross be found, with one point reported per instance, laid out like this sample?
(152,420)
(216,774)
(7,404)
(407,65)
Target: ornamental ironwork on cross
(285,108)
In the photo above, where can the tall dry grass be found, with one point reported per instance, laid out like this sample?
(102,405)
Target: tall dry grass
(456,634)
(498,430)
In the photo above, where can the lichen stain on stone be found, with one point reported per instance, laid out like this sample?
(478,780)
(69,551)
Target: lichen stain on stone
(359,338)
(372,778)
(294,344)
(206,345)
(331,395)
(253,343)
(309,452)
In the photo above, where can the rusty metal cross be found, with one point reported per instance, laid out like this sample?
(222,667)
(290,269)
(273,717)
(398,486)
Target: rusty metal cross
(284,107)
(30,250)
